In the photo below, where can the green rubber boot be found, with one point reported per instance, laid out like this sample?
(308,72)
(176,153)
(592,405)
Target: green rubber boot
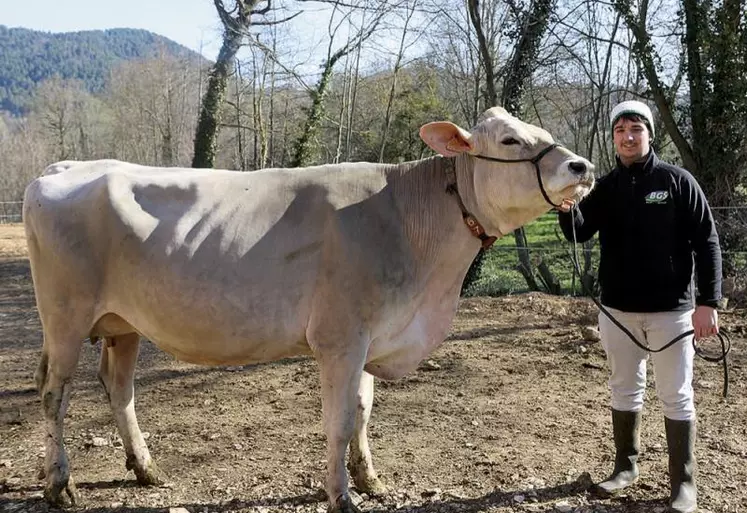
(626,428)
(681,444)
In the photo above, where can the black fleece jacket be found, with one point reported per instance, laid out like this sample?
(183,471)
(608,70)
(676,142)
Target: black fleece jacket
(651,218)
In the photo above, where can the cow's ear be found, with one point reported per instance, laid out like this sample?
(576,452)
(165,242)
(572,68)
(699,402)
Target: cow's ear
(447,138)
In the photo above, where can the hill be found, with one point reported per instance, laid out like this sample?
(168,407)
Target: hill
(28,57)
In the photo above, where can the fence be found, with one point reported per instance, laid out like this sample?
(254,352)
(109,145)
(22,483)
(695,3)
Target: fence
(10,211)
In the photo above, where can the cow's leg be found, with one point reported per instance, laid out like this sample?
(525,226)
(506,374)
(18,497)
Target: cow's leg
(360,463)
(340,379)
(54,381)
(116,373)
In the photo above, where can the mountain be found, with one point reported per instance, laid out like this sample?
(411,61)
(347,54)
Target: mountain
(28,57)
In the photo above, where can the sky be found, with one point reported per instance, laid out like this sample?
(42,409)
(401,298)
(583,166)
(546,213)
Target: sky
(192,23)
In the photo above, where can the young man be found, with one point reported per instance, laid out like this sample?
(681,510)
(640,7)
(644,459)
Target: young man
(651,218)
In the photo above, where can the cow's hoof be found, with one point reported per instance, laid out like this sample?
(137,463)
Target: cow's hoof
(150,475)
(61,495)
(370,485)
(343,504)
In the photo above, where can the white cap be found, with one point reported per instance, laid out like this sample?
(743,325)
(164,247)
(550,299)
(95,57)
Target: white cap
(633,107)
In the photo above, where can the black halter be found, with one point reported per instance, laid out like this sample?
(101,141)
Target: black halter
(534,160)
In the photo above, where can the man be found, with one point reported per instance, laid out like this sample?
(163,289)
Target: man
(651,217)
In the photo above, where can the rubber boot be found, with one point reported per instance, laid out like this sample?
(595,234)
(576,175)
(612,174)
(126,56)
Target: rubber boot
(680,444)
(626,428)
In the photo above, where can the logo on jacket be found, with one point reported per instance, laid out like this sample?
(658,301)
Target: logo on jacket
(657,197)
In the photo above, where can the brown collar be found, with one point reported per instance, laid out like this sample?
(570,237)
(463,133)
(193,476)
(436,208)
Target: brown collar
(471,221)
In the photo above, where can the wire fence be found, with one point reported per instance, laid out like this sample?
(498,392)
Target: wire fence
(10,211)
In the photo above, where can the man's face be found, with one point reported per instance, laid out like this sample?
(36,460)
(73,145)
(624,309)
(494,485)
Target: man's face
(632,140)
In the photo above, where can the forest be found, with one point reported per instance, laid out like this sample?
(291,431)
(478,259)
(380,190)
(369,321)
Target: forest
(359,87)
(29,57)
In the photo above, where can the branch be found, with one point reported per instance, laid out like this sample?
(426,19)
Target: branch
(276,22)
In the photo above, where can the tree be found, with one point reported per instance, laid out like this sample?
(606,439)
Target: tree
(236,23)
(533,24)
(305,147)
(65,112)
(410,11)
(153,109)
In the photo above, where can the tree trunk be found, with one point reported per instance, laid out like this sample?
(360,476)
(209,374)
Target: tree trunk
(344,95)
(236,23)
(351,108)
(240,153)
(305,147)
(491,99)
(206,135)
(517,75)
(644,52)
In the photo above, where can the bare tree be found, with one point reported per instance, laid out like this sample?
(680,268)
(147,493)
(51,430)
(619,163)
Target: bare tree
(236,24)
(353,94)
(154,117)
(57,107)
(305,146)
(411,5)
(23,155)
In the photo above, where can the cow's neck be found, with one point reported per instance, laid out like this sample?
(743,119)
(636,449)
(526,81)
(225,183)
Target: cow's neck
(470,220)
(464,169)
(431,216)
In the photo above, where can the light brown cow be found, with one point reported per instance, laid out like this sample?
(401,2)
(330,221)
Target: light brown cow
(359,265)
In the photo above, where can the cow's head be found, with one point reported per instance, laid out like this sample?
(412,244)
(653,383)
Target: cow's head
(500,155)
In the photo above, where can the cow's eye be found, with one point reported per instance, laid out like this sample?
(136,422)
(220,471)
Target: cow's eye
(508,141)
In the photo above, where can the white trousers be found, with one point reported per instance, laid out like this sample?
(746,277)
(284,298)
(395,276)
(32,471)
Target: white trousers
(673,367)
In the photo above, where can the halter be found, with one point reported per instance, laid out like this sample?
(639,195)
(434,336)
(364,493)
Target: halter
(472,223)
(534,160)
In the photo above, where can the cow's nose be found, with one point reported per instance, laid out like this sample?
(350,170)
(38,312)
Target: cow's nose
(578,167)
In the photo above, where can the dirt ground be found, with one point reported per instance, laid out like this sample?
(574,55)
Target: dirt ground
(506,416)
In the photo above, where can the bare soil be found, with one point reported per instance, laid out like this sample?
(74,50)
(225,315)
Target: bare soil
(506,416)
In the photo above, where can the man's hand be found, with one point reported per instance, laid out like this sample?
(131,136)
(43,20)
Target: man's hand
(705,321)
(566,205)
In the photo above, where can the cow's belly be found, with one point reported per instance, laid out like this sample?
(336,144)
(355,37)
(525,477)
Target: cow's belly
(211,316)
(191,343)
(213,349)
(231,352)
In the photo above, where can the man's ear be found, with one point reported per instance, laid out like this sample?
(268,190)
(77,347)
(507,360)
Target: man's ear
(446,138)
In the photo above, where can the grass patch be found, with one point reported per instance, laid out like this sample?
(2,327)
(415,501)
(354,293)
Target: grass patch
(546,243)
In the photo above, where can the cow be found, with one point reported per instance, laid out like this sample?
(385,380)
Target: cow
(359,265)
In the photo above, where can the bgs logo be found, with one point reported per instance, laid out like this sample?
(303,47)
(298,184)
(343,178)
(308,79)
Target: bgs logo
(657,197)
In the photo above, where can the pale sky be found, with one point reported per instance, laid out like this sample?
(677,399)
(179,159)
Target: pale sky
(192,23)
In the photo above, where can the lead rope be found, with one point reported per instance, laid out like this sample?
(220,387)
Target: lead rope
(722,335)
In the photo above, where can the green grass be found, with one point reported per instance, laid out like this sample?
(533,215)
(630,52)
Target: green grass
(546,242)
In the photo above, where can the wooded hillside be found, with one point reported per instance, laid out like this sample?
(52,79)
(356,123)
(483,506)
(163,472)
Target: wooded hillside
(28,57)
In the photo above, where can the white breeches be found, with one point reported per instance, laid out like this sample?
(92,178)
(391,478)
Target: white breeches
(673,367)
